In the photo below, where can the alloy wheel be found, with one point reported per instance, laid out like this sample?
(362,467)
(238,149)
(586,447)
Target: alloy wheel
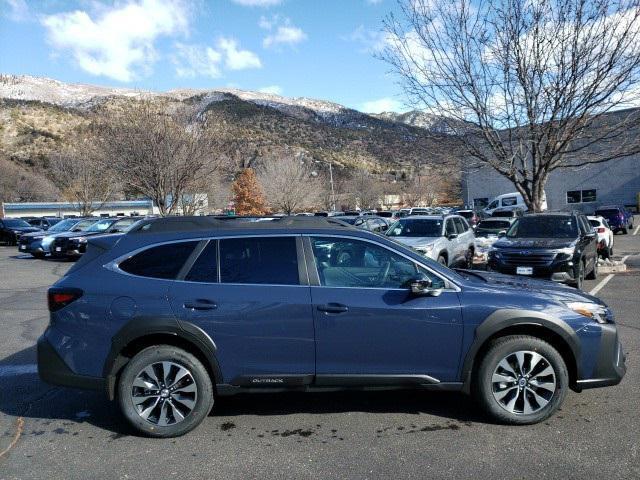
(523,382)
(164,393)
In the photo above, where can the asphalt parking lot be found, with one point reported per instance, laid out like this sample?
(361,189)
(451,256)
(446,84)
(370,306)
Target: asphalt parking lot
(51,432)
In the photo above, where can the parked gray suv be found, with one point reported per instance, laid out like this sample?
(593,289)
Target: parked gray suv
(448,239)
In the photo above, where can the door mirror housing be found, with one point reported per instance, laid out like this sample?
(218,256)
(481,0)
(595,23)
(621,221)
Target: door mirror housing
(502,233)
(422,286)
(452,236)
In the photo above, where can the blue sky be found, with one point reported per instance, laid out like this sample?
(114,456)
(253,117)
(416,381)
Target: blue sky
(315,48)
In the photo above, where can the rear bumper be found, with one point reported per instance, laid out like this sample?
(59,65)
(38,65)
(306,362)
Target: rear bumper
(610,367)
(53,370)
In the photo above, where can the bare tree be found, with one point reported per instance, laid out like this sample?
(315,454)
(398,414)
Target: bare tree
(83,176)
(364,190)
(529,86)
(290,184)
(160,149)
(17,184)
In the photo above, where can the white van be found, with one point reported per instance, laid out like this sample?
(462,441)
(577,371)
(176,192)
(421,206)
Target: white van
(511,200)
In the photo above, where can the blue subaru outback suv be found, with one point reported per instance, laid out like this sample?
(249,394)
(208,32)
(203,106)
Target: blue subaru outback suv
(178,311)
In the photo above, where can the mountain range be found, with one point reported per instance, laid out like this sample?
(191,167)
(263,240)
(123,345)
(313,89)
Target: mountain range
(39,116)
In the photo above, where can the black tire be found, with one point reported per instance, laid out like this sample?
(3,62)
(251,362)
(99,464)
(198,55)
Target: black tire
(579,276)
(505,347)
(469,258)
(38,255)
(593,274)
(199,376)
(625,230)
(442,260)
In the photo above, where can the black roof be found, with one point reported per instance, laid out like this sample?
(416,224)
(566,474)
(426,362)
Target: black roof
(180,224)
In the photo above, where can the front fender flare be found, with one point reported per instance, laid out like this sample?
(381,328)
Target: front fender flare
(505,318)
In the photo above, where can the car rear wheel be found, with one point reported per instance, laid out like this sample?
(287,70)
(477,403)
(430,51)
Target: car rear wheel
(468,258)
(625,230)
(521,380)
(165,391)
(442,260)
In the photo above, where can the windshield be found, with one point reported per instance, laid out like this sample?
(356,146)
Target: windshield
(64,225)
(544,227)
(15,223)
(494,225)
(100,226)
(416,227)
(468,214)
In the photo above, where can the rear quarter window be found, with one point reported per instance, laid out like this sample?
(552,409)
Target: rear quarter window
(162,261)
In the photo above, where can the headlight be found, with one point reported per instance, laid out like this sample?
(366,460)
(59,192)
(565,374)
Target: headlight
(590,310)
(565,253)
(426,249)
(79,239)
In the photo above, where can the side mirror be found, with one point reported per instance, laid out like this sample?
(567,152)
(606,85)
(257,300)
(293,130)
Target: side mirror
(76,230)
(452,236)
(502,233)
(423,286)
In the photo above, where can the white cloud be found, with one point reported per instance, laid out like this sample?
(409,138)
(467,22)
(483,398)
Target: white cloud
(15,10)
(283,32)
(272,89)
(201,60)
(197,60)
(374,2)
(236,59)
(372,41)
(119,43)
(386,104)
(257,3)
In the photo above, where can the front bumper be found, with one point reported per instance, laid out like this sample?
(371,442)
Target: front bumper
(33,247)
(610,365)
(558,270)
(53,370)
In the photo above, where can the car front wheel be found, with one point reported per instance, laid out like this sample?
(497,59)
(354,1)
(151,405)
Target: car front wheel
(165,391)
(521,380)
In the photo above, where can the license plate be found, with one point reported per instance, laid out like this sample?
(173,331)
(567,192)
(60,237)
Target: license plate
(23,247)
(524,270)
(58,249)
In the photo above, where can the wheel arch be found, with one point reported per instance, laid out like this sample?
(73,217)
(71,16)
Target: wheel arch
(144,332)
(500,324)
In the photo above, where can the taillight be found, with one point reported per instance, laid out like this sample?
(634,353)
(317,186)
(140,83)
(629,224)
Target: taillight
(601,230)
(58,298)
(621,216)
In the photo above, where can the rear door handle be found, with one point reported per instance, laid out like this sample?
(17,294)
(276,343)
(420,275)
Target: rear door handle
(333,308)
(201,304)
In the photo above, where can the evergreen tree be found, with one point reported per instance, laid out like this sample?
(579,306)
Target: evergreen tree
(247,194)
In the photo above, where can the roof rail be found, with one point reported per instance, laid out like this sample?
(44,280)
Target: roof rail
(177,224)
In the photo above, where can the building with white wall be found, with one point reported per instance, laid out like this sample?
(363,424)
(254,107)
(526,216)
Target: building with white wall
(66,209)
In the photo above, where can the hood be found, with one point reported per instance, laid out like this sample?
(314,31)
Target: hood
(33,234)
(25,229)
(415,241)
(548,289)
(542,243)
(489,231)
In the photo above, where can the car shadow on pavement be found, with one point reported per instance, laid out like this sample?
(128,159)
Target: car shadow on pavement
(23,394)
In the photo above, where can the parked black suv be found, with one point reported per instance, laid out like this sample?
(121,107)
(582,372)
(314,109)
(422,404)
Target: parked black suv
(11,229)
(557,245)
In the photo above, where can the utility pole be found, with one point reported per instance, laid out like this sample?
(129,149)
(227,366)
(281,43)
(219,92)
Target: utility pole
(333,194)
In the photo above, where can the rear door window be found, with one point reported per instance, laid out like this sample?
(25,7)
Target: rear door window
(460,225)
(254,260)
(162,261)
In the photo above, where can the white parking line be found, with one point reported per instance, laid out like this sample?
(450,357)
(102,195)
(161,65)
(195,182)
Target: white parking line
(606,279)
(14,370)
(635,232)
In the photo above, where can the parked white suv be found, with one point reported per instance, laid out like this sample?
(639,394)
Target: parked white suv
(448,239)
(605,236)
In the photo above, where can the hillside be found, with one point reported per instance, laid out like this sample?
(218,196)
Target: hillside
(39,116)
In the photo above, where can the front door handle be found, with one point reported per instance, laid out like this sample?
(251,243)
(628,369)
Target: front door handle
(201,304)
(333,308)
